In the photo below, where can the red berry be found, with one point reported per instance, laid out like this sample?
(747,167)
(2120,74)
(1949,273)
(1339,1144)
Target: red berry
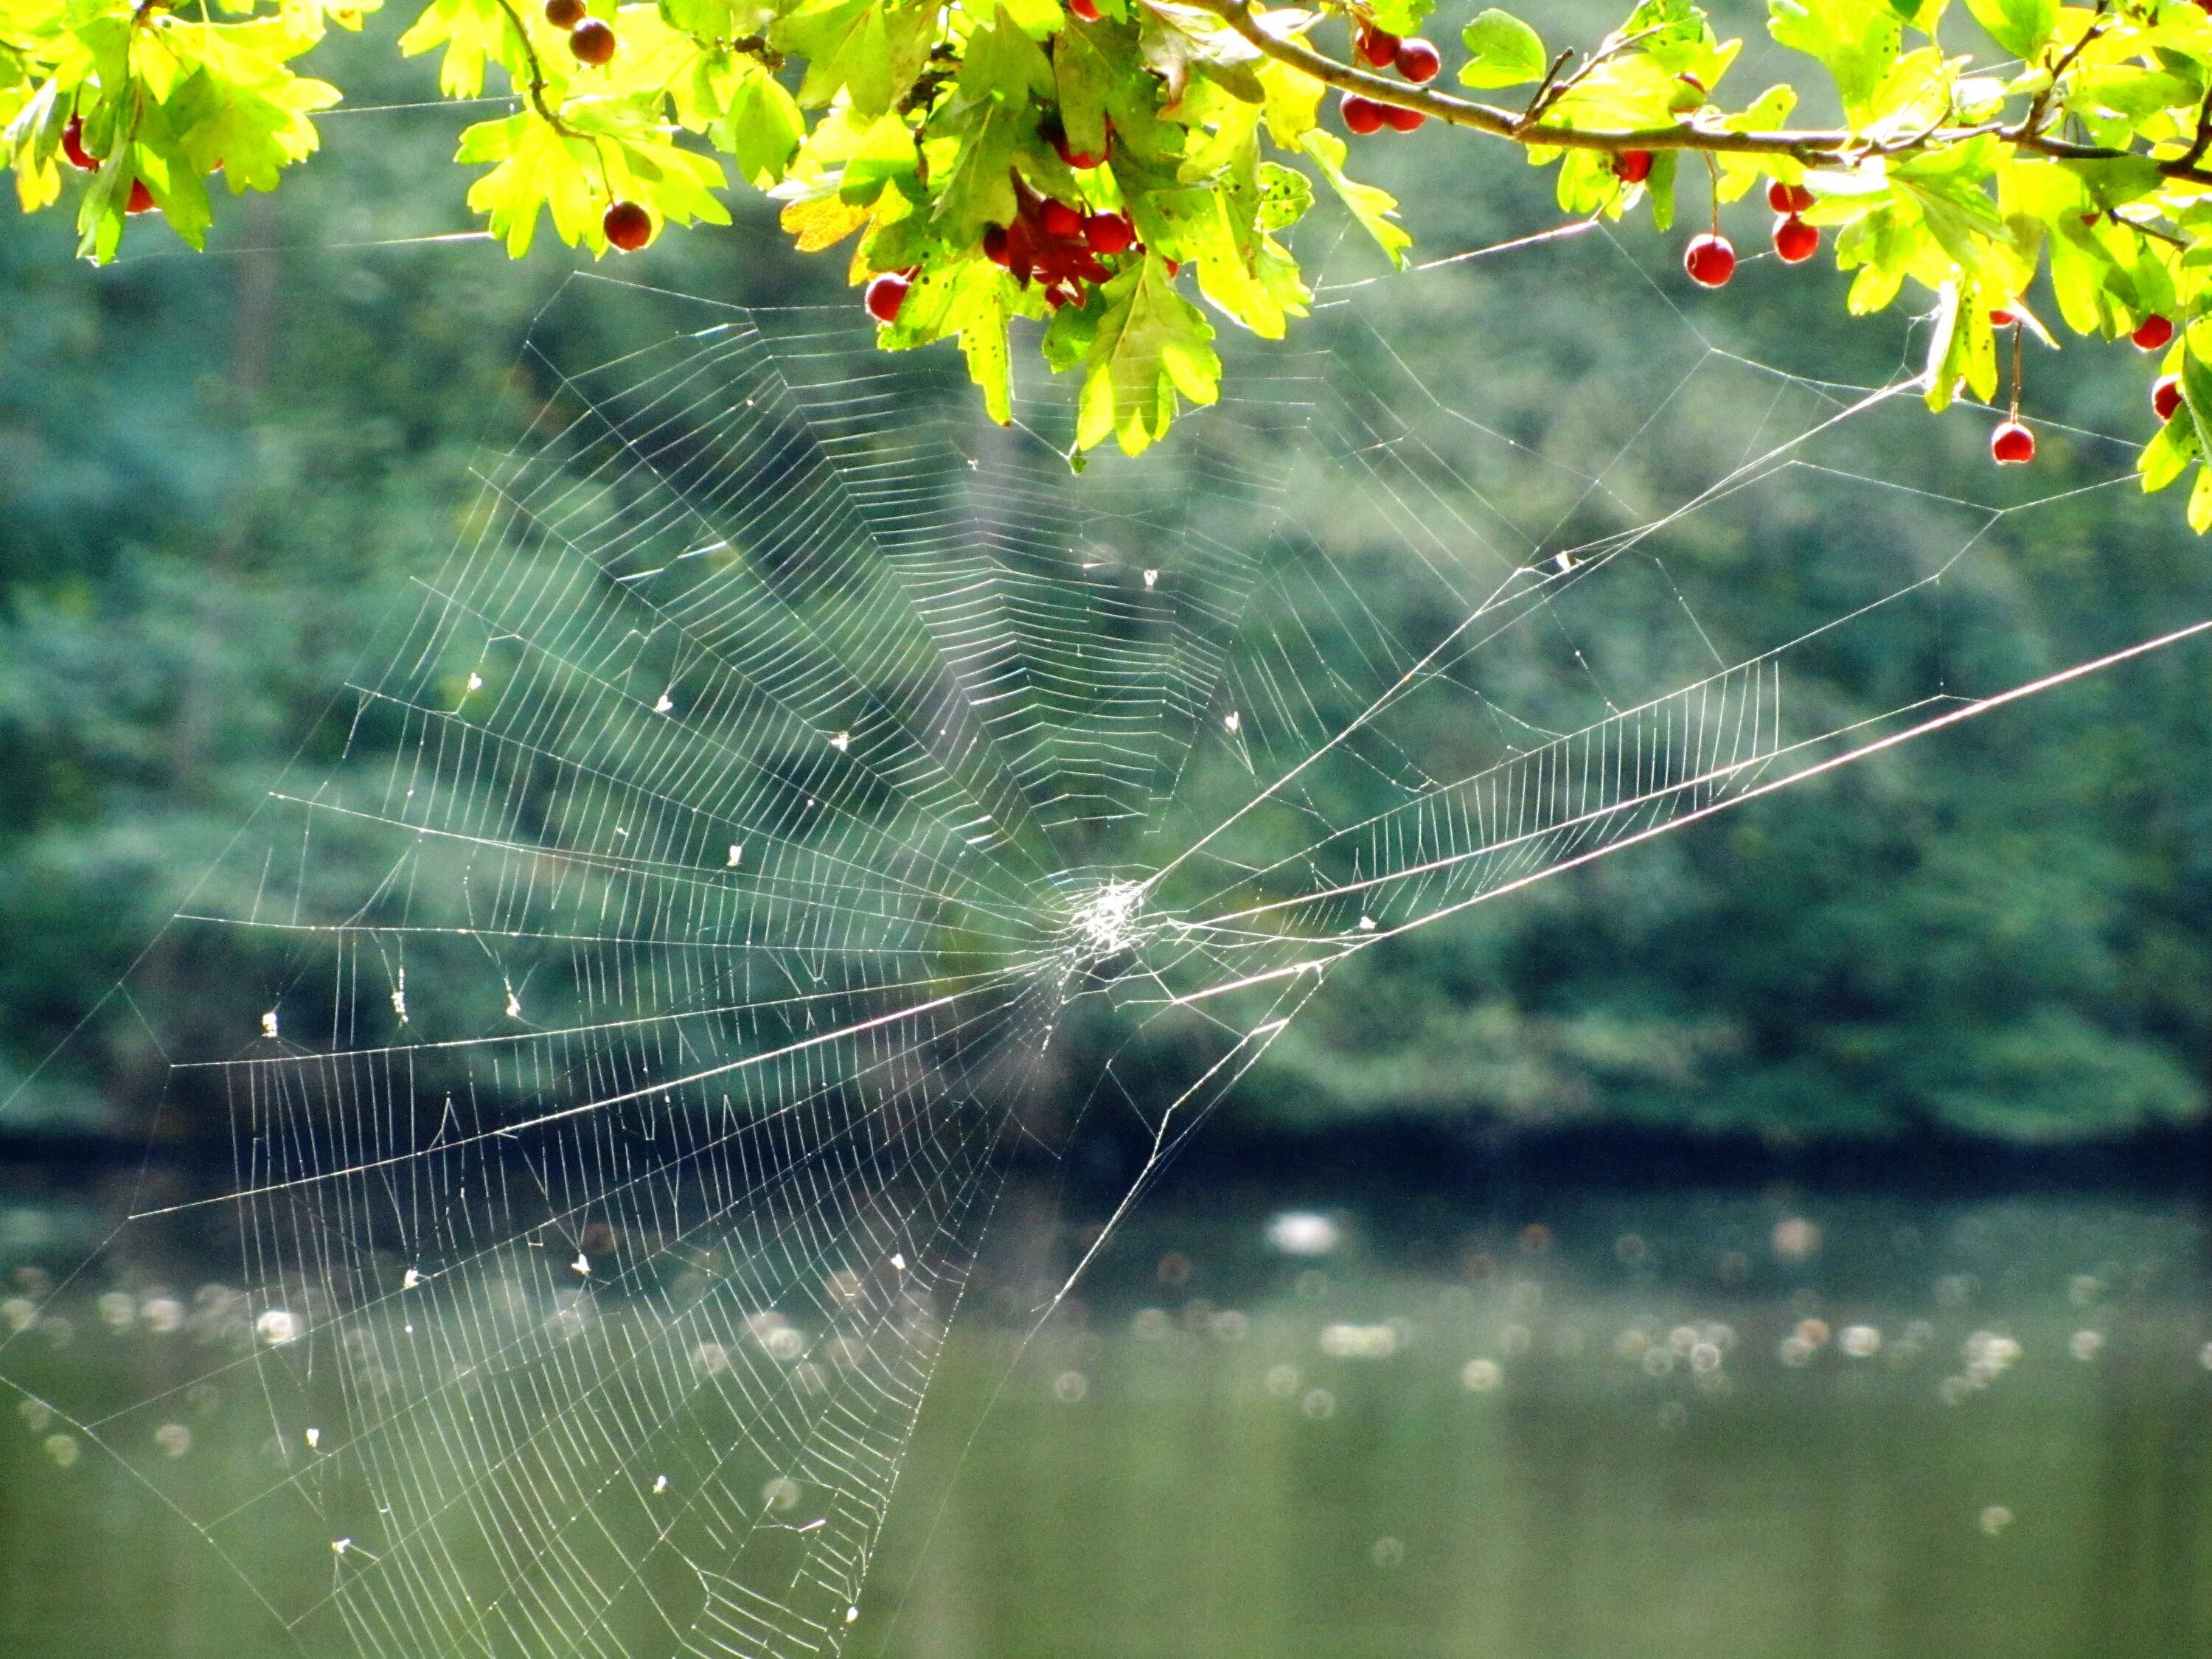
(627,226)
(1788,198)
(2155,332)
(1085,9)
(1794,242)
(1399,119)
(1060,222)
(2003,317)
(73,147)
(1361,115)
(1109,232)
(2012,445)
(141,199)
(2166,396)
(564,14)
(592,41)
(886,294)
(1416,60)
(1709,260)
(1632,166)
(995,244)
(1378,48)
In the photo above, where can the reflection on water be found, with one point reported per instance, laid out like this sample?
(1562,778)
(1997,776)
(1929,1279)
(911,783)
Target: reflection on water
(1653,1426)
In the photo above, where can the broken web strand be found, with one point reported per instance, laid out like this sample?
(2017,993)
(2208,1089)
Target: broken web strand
(621,1340)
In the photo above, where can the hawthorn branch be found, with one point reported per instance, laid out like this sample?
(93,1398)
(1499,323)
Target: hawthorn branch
(537,74)
(1816,147)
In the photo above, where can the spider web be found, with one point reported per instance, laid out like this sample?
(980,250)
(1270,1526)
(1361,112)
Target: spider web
(791,794)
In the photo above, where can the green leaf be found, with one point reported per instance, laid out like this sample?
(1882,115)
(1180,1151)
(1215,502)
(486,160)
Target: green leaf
(2167,455)
(1084,81)
(973,299)
(1286,194)
(978,190)
(2200,503)
(2196,408)
(1400,16)
(763,129)
(1961,348)
(1376,209)
(534,168)
(870,50)
(1856,42)
(470,31)
(1151,345)
(1502,51)
(2021,26)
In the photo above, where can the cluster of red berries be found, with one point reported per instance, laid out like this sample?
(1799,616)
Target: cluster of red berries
(1711,258)
(1056,245)
(140,199)
(592,40)
(1414,58)
(1049,242)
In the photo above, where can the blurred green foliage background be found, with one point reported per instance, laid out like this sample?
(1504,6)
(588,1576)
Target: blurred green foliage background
(215,472)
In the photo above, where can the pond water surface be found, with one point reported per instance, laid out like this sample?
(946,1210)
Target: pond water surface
(1702,1424)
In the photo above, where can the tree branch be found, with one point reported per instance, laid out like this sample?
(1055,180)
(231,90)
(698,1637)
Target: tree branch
(1813,146)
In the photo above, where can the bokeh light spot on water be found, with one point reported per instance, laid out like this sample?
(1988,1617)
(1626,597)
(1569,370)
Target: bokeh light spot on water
(278,1326)
(1070,1387)
(1860,1341)
(1480,1375)
(781,1494)
(1994,1519)
(1388,1552)
(62,1447)
(172,1439)
(2086,1345)
(1304,1232)
(1795,1238)
(1318,1404)
(1348,1342)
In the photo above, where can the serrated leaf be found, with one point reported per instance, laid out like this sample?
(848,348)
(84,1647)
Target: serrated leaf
(818,222)
(762,128)
(1376,209)
(470,31)
(1151,345)
(1502,51)
(869,50)
(1856,42)
(1400,17)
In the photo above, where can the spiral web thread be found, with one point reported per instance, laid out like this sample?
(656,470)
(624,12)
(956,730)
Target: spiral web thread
(782,777)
